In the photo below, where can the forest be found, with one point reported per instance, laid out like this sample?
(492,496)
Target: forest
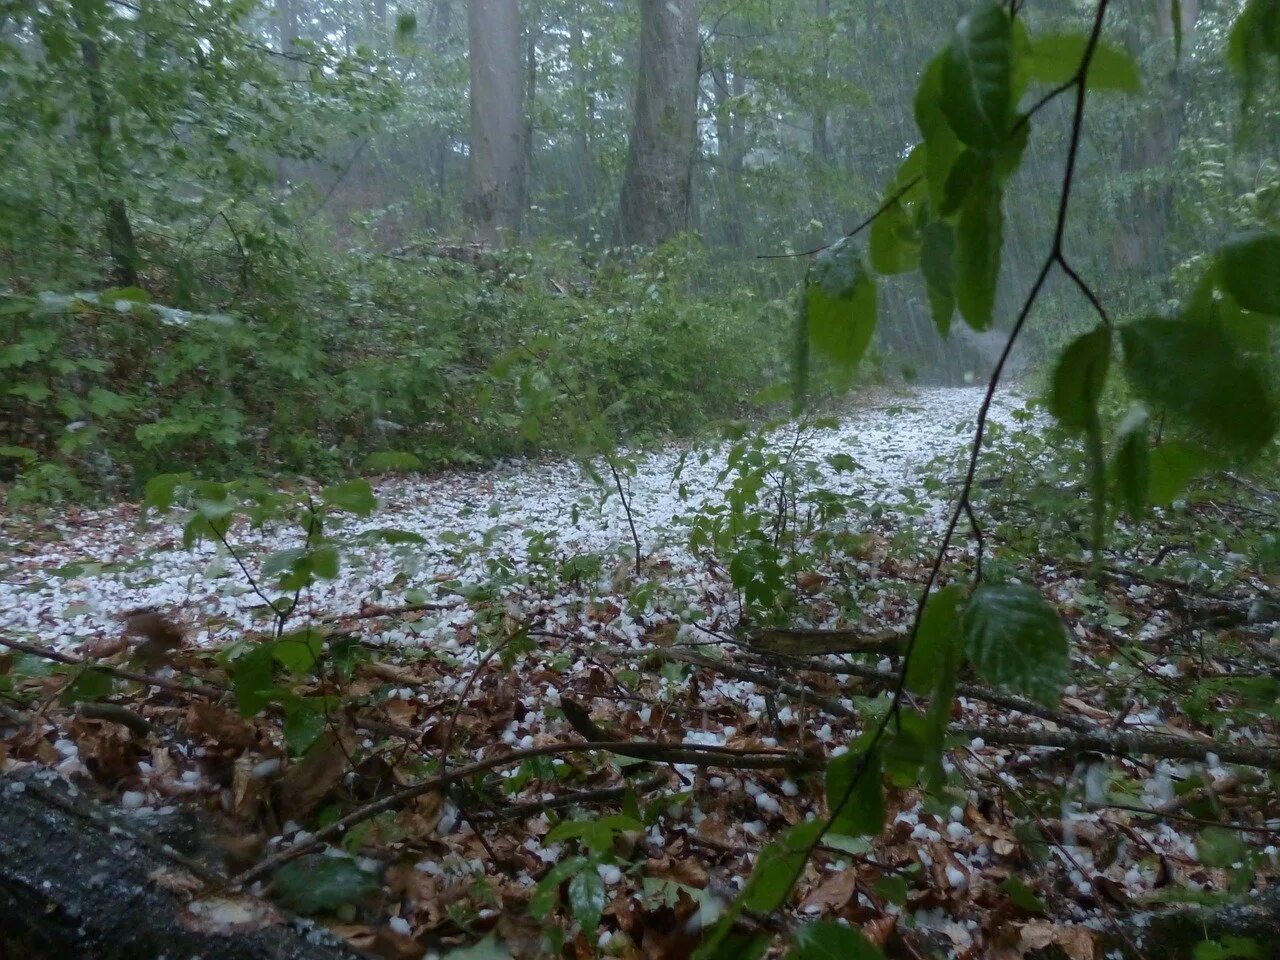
(640,479)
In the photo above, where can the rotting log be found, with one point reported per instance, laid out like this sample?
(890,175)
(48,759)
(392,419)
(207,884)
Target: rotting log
(82,881)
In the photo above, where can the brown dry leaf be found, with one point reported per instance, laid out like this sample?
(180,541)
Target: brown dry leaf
(879,930)
(1078,943)
(175,881)
(1087,709)
(396,946)
(305,785)
(661,933)
(98,648)
(832,892)
(246,789)
(106,748)
(391,673)
(684,869)
(811,581)
(224,727)
(227,915)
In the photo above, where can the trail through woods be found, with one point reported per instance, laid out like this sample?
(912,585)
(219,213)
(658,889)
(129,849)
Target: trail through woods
(72,579)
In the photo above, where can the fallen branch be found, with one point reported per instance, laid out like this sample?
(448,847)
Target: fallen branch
(1124,743)
(800,643)
(198,687)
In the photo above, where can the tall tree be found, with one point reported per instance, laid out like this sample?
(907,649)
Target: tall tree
(658,186)
(497,190)
(120,239)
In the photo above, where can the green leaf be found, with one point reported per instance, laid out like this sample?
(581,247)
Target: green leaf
(298,651)
(1173,465)
(303,725)
(253,679)
(391,460)
(909,747)
(586,899)
(840,304)
(89,684)
(1131,464)
(977,79)
(1021,895)
(1079,378)
(159,491)
(828,940)
(320,884)
(778,867)
(25,454)
(855,787)
(942,147)
(1194,370)
(938,637)
(1017,640)
(894,888)
(1255,36)
(1248,268)
(938,267)
(979,238)
(1220,847)
(1055,58)
(354,496)
(547,893)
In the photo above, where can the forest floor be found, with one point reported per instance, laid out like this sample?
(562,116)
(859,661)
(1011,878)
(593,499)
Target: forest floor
(505,619)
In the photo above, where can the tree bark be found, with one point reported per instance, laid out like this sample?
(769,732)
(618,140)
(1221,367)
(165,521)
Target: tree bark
(497,177)
(80,881)
(658,186)
(119,231)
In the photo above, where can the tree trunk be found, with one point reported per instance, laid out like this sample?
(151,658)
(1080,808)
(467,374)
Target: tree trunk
(1140,243)
(497,185)
(583,179)
(658,186)
(83,882)
(119,231)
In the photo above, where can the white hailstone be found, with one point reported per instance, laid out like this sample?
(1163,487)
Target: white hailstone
(957,831)
(132,799)
(956,878)
(399,925)
(789,789)
(67,748)
(751,788)
(756,828)
(609,873)
(957,814)
(977,743)
(767,803)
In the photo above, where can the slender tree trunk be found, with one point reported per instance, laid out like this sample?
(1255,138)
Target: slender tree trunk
(444,27)
(532,35)
(583,176)
(657,189)
(497,184)
(1140,242)
(119,231)
(729,154)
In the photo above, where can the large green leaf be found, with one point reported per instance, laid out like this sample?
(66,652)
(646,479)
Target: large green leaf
(828,940)
(937,637)
(854,786)
(1055,58)
(977,80)
(319,884)
(586,899)
(354,496)
(1255,36)
(979,236)
(1248,268)
(778,867)
(1131,463)
(1017,640)
(938,267)
(840,304)
(1194,370)
(941,144)
(1078,380)
(1173,465)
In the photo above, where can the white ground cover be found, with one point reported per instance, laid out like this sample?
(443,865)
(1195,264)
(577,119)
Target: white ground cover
(75,582)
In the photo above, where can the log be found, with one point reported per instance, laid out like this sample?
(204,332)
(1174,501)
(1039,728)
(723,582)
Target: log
(83,881)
